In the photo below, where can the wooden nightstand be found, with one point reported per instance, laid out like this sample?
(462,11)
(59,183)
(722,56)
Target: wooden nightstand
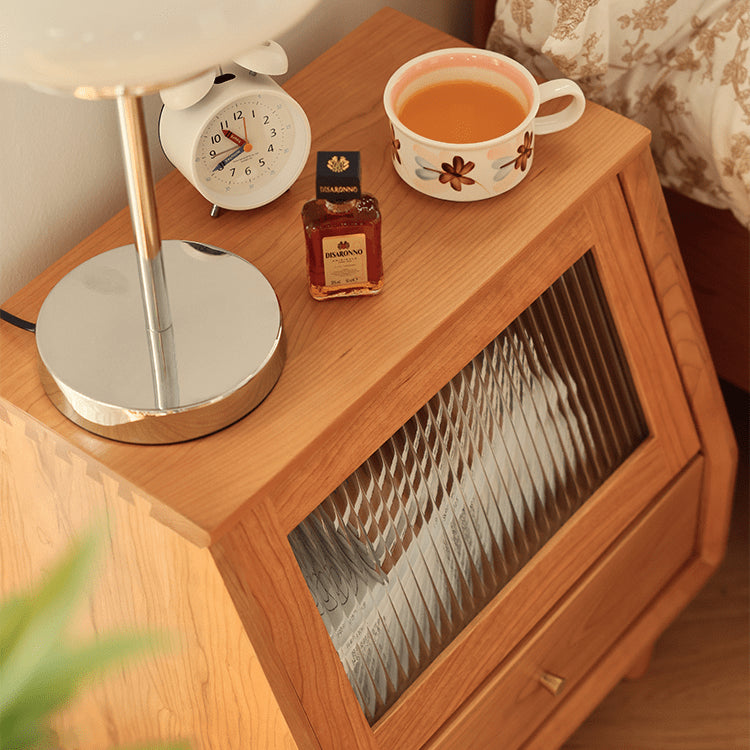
(199,530)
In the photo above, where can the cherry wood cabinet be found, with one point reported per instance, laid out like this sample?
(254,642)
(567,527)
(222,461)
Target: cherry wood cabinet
(198,532)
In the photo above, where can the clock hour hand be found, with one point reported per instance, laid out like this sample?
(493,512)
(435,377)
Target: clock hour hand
(234,137)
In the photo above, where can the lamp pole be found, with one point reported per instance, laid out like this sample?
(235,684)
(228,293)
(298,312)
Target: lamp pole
(151,274)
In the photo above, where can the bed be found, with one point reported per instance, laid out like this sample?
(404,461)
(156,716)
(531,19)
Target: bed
(679,67)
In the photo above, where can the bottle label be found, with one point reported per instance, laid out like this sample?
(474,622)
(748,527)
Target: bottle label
(345,259)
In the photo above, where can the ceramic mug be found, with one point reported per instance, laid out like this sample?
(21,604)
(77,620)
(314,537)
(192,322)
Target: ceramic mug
(473,171)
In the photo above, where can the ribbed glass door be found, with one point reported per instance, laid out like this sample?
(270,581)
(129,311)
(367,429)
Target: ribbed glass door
(425,532)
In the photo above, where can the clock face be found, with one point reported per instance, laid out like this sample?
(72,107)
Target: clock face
(246,151)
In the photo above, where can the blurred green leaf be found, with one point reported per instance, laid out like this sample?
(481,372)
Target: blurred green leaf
(13,613)
(39,671)
(36,627)
(58,678)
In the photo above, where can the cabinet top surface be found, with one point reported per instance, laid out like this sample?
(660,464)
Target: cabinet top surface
(356,368)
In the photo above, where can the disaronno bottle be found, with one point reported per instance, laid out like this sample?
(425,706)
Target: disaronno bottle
(342,231)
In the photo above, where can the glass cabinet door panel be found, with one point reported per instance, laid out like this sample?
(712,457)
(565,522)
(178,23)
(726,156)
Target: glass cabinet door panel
(429,528)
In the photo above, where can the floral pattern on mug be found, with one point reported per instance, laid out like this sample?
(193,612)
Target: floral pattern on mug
(453,173)
(503,167)
(395,145)
(524,152)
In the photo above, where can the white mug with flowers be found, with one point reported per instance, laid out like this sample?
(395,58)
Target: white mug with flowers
(473,171)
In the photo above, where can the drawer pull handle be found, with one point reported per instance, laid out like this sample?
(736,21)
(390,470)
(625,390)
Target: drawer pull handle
(552,682)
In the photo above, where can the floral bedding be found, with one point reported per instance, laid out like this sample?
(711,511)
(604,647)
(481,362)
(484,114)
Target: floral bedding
(679,67)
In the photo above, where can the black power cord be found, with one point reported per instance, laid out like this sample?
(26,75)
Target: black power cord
(18,322)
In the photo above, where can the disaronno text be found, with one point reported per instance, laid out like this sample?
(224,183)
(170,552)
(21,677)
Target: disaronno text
(343,253)
(339,189)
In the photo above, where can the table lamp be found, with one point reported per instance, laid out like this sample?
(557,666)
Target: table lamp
(161,340)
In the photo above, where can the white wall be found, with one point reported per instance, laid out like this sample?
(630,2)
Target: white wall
(61,162)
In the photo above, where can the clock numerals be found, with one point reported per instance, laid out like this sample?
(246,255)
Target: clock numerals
(246,145)
(247,172)
(265,119)
(236,116)
(242,145)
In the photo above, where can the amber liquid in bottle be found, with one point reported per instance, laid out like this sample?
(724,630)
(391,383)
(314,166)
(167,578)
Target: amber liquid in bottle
(342,231)
(344,257)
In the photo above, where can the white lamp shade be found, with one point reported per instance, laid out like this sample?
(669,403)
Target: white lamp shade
(133,44)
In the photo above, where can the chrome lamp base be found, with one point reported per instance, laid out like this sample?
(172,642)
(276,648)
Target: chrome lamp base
(111,374)
(159,341)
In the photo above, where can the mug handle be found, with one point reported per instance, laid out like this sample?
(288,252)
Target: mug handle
(565,117)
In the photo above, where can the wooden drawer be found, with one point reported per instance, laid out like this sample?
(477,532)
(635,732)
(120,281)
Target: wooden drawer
(514,701)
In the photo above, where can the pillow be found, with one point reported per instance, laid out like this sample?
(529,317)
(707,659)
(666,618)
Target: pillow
(679,67)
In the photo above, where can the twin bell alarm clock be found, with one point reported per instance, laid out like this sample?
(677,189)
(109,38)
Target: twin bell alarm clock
(234,133)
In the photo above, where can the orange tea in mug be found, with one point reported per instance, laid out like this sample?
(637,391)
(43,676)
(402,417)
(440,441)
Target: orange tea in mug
(461,111)
(463,121)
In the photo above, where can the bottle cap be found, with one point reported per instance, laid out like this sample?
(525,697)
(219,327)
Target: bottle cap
(338,176)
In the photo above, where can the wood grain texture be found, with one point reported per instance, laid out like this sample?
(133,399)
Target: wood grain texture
(208,687)
(682,322)
(715,248)
(637,316)
(277,609)
(356,371)
(696,692)
(616,662)
(201,488)
(573,638)
(604,227)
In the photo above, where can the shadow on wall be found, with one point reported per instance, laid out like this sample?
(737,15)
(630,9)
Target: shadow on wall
(69,178)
